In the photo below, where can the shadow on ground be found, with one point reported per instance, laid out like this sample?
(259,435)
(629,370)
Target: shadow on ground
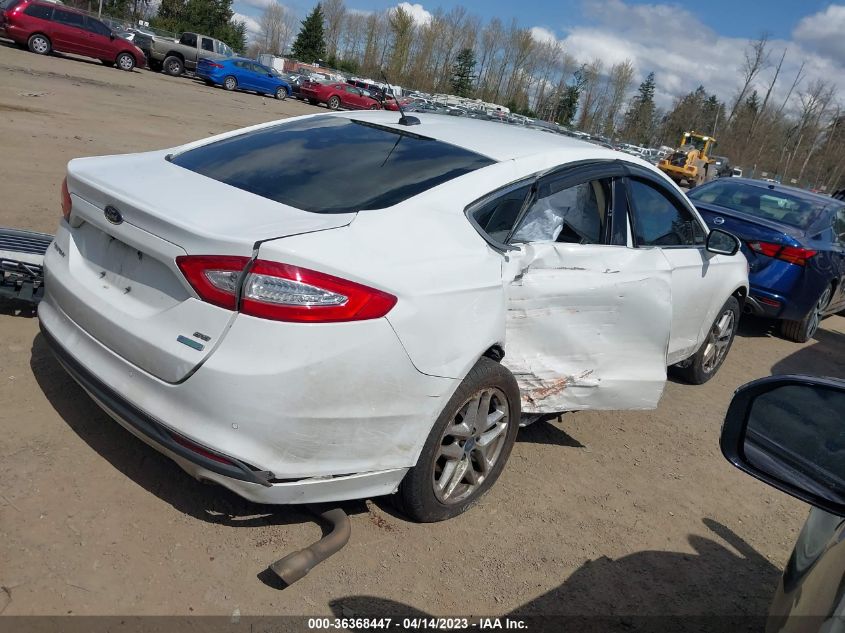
(824,357)
(645,591)
(144,465)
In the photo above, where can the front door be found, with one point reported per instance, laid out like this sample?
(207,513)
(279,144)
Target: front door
(587,317)
(661,220)
(99,39)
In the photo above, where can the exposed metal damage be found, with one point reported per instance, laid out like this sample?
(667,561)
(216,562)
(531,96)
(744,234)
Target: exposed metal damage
(591,334)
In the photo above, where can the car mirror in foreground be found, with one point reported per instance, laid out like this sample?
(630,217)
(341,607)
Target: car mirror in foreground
(722,243)
(788,432)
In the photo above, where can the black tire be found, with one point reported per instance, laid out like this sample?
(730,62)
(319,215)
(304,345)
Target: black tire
(699,369)
(416,497)
(333,103)
(154,65)
(803,330)
(313,102)
(125,61)
(230,83)
(39,44)
(174,66)
(281,94)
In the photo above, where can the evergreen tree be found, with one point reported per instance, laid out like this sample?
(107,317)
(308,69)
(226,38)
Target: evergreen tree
(310,44)
(567,104)
(640,117)
(463,72)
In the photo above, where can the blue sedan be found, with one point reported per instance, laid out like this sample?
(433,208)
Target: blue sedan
(794,241)
(243,74)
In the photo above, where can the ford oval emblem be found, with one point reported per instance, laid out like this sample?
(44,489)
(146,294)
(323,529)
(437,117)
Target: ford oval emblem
(718,221)
(113,215)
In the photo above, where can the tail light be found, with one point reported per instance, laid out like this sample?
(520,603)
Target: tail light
(282,292)
(792,254)
(66,203)
(215,65)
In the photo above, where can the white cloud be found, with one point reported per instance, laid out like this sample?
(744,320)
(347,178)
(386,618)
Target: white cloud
(417,11)
(258,4)
(542,35)
(252,25)
(684,53)
(824,32)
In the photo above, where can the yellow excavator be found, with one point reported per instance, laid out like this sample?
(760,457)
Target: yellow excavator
(692,161)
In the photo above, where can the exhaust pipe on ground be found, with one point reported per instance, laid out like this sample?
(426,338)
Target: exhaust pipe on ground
(297,565)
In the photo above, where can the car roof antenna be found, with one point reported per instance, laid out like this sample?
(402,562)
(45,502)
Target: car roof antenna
(403,120)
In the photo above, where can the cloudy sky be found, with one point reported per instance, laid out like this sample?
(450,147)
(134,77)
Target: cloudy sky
(697,43)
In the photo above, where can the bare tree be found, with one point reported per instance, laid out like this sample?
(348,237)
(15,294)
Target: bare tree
(334,14)
(277,25)
(620,78)
(756,59)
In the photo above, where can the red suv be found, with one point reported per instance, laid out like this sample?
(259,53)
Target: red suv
(46,27)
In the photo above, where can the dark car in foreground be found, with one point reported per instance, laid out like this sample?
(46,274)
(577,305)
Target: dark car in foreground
(787,432)
(794,241)
(243,74)
(44,27)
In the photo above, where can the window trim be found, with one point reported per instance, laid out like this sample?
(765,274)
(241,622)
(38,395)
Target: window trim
(578,172)
(636,172)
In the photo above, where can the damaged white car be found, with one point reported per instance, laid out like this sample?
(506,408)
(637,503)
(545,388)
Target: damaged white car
(343,306)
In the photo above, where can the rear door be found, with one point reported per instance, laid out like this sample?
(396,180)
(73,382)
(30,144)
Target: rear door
(587,317)
(69,34)
(99,39)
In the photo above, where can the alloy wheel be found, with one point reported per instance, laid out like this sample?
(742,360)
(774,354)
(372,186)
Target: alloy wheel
(718,341)
(471,445)
(125,62)
(816,315)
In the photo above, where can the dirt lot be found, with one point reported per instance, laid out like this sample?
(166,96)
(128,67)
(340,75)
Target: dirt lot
(633,513)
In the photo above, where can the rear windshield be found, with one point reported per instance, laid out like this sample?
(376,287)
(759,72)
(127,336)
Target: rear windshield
(761,202)
(331,164)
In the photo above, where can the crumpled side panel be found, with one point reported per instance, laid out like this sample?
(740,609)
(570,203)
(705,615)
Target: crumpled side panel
(587,327)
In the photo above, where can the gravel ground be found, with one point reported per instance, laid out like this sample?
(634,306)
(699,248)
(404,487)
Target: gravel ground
(631,513)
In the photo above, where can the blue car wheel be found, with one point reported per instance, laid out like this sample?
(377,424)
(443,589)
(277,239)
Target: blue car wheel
(803,330)
(281,93)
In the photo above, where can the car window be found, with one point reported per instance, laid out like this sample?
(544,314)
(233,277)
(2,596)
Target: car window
(39,11)
(189,39)
(660,220)
(571,214)
(244,65)
(95,26)
(208,44)
(497,216)
(760,201)
(352,90)
(69,18)
(328,164)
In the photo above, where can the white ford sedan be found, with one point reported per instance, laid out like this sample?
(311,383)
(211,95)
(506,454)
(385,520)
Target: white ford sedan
(342,306)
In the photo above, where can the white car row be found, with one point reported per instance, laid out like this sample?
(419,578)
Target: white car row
(342,306)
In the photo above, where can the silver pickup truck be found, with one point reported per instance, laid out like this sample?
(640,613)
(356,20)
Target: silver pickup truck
(177,56)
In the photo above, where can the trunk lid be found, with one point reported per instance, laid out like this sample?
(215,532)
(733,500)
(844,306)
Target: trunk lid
(118,277)
(749,228)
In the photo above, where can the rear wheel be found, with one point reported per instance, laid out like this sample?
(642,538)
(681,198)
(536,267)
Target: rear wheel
(230,83)
(710,356)
(334,103)
(281,94)
(126,62)
(467,448)
(174,66)
(39,44)
(803,330)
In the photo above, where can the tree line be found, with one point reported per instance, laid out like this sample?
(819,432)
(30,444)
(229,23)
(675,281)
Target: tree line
(786,126)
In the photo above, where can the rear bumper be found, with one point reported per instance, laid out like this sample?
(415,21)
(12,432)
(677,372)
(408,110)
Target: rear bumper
(237,476)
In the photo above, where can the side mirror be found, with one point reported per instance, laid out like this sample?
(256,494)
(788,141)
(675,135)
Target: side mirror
(722,243)
(787,431)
